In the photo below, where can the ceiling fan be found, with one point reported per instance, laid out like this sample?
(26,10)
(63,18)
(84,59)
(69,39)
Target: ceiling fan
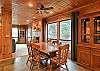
(43,9)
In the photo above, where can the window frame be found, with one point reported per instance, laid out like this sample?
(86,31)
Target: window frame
(47,31)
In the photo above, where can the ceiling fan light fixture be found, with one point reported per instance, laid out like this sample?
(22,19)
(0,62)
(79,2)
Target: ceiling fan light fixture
(30,5)
(51,12)
(34,17)
(27,20)
(42,9)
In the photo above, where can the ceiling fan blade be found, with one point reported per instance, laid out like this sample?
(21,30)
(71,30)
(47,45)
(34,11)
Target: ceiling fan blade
(42,6)
(38,9)
(49,8)
(46,11)
(37,12)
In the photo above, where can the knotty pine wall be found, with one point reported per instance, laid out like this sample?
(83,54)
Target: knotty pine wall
(6,30)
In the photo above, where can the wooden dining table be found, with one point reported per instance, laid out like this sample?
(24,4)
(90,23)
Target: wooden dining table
(50,51)
(47,48)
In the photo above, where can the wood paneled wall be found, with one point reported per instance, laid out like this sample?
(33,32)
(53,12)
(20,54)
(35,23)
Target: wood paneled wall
(44,30)
(58,17)
(6,30)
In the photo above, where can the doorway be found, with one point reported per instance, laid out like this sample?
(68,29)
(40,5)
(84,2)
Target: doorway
(19,48)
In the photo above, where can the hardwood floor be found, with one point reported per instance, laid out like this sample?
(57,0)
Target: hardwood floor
(19,64)
(21,50)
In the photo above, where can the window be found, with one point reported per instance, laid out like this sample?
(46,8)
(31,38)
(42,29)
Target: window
(65,30)
(52,31)
(32,34)
(29,33)
(15,34)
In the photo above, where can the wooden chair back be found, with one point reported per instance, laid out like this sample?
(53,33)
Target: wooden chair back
(49,41)
(30,54)
(36,52)
(35,49)
(29,47)
(63,53)
(56,42)
(32,49)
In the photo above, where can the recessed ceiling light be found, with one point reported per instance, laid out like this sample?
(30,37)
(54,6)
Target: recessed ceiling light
(34,17)
(27,20)
(30,5)
(51,12)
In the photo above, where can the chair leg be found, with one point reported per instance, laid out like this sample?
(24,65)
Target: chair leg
(66,67)
(27,60)
(38,66)
(31,65)
(46,61)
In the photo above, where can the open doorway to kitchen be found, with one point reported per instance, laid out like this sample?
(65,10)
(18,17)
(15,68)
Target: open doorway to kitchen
(19,48)
(21,34)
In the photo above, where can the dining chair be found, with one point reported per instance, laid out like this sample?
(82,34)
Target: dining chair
(62,55)
(35,56)
(29,47)
(49,41)
(56,42)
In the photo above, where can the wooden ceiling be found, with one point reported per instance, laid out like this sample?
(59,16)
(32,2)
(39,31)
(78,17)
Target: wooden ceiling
(23,14)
